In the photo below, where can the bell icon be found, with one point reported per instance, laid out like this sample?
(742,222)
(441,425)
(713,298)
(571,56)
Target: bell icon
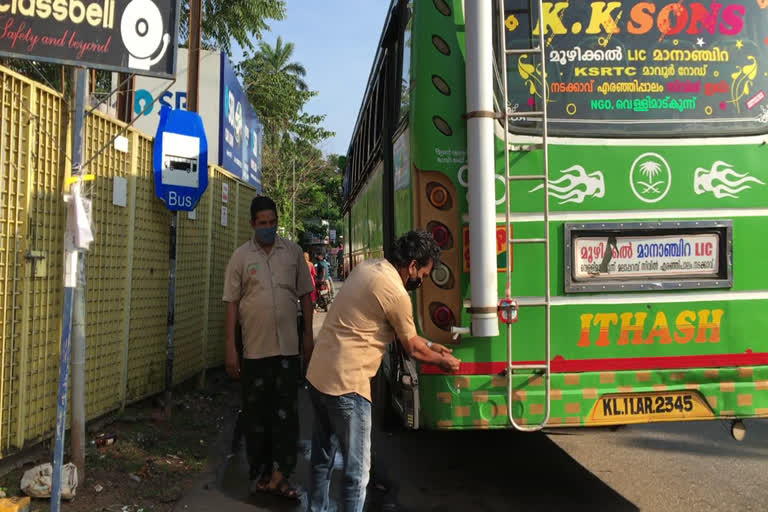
(142,31)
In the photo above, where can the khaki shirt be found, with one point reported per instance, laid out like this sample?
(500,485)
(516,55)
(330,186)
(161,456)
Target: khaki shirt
(369,310)
(267,287)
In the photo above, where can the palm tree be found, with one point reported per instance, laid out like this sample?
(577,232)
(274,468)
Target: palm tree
(650,169)
(277,60)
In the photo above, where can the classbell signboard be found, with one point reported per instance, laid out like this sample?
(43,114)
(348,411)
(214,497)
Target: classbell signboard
(180,159)
(240,130)
(130,36)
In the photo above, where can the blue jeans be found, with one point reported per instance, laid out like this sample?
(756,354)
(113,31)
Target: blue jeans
(340,422)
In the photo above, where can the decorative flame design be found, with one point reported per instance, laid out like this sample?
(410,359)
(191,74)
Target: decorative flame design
(576,185)
(722,182)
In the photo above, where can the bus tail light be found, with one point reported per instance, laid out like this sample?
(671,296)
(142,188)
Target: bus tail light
(441,234)
(442,316)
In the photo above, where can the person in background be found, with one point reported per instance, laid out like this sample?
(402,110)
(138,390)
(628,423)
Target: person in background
(264,279)
(313,273)
(324,272)
(372,308)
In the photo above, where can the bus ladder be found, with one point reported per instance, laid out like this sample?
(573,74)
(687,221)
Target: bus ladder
(542,370)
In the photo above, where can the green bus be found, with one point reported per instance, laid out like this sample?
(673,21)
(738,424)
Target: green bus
(597,179)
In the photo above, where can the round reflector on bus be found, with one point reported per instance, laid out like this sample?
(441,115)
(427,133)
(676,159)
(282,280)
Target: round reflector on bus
(438,195)
(442,125)
(441,85)
(441,45)
(441,275)
(443,7)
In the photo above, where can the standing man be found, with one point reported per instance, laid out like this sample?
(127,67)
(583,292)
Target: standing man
(265,278)
(372,308)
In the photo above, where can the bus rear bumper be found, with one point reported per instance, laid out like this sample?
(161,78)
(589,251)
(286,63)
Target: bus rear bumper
(595,398)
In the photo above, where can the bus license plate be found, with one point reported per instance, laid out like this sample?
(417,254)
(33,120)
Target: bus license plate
(646,407)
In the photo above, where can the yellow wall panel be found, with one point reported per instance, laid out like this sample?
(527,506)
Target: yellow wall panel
(190,309)
(107,263)
(126,266)
(149,295)
(223,244)
(13,196)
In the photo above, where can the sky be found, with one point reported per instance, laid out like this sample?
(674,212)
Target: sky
(336,42)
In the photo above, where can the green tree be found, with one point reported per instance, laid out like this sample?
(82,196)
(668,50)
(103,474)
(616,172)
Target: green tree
(241,21)
(277,60)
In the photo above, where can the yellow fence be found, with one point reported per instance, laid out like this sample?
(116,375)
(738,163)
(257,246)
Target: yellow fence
(127,265)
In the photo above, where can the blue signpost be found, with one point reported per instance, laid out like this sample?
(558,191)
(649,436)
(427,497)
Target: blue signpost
(180,159)
(181,177)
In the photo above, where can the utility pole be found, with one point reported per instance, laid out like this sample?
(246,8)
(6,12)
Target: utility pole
(293,201)
(125,97)
(74,306)
(193,58)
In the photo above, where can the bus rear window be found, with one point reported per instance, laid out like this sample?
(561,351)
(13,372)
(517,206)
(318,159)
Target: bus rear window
(642,68)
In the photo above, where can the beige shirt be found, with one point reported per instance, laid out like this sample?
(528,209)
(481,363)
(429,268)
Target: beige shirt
(369,310)
(267,287)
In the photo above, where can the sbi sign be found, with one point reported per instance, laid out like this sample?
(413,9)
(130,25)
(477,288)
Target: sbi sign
(144,102)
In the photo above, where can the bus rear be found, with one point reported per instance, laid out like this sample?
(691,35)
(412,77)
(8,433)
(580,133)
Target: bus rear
(626,165)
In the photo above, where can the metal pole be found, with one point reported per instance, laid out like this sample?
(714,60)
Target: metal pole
(193,84)
(70,283)
(482,179)
(171,314)
(77,421)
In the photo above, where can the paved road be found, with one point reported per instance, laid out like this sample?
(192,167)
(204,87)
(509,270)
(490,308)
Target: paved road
(677,466)
(661,467)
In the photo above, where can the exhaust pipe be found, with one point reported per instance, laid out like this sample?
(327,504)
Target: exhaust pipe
(482,177)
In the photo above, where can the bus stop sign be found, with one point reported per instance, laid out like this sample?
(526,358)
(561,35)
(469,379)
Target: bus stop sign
(180,159)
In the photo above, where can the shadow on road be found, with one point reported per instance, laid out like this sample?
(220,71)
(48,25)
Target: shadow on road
(701,439)
(448,471)
(487,471)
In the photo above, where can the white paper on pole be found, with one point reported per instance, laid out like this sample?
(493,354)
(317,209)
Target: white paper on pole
(79,234)
(120,191)
(192,214)
(224,215)
(70,269)
(84,235)
(121,144)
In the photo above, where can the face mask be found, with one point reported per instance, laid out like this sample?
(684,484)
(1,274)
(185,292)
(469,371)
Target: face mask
(265,235)
(413,283)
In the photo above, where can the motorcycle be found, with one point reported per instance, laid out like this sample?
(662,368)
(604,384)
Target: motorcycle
(323,295)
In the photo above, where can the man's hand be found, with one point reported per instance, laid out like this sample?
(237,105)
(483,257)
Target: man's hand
(308,344)
(448,362)
(441,349)
(233,364)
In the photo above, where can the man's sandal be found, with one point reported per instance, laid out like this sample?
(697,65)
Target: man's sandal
(284,489)
(262,484)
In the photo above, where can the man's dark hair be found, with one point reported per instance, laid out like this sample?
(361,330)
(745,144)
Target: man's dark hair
(414,245)
(261,203)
